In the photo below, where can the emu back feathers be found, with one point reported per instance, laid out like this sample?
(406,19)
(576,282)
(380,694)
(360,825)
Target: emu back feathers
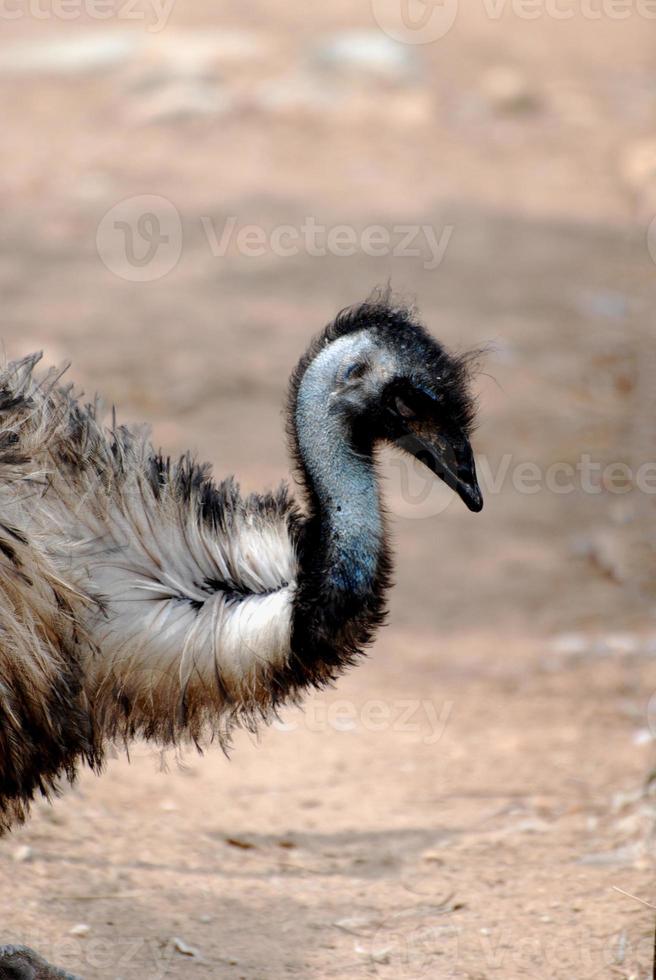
(136,596)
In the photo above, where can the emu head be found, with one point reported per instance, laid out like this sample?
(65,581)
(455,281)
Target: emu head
(376,375)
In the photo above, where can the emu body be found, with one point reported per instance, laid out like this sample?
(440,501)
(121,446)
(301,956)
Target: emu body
(138,598)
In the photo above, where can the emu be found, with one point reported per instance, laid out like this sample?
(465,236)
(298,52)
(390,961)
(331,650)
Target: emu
(139,598)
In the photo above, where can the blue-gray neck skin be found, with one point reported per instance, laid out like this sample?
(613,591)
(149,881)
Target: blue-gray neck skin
(342,481)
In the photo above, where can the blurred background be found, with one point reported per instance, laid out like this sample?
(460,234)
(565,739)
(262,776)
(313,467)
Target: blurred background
(189,191)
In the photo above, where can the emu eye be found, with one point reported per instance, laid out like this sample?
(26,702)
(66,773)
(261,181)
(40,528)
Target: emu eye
(355,371)
(403,409)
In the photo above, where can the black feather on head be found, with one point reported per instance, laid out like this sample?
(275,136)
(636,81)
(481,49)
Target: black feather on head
(446,375)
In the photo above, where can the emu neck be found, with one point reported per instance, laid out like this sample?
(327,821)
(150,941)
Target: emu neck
(341,481)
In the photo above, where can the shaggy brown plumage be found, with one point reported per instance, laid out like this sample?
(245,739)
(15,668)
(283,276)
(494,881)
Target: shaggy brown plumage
(104,547)
(138,598)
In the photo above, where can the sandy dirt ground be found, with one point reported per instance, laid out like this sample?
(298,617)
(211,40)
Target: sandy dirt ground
(472,801)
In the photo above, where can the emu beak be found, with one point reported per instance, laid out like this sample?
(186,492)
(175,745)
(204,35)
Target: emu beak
(451,458)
